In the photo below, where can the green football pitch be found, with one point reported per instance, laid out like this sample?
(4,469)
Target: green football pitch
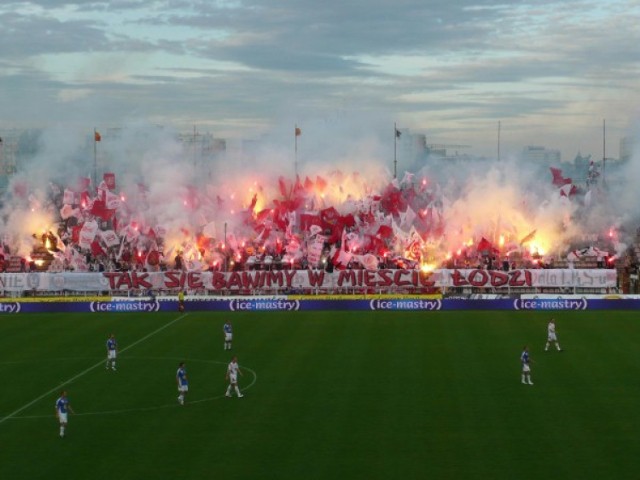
(331,395)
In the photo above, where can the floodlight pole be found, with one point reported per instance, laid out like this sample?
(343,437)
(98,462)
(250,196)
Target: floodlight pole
(395,156)
(95,159)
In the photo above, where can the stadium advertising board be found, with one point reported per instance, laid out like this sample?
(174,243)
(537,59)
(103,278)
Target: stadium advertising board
(284,303)
(317,280)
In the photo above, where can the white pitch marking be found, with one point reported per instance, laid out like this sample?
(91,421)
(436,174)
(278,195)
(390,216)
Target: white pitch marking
(157,407)
(84,372)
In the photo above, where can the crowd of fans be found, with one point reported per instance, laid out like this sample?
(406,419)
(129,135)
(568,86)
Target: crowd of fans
(44,258)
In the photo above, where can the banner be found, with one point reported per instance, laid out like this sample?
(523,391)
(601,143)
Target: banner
(256,281)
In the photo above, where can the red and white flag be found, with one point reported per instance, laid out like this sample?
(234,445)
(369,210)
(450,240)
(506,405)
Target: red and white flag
(87,234)
(109,238)
(112,200)
(68,197)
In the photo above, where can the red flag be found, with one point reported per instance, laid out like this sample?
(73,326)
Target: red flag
(262,215)
(321,183)
(485,246)
(75,233)
(298,132)
(308,184)
(153,258)
(568,190)
(392,201)
(283,187)
(99,209)
(96,248)
(330,217)
(96,136)
(307,220)
(349,220)
(384,231)
(558,179)
(254,200)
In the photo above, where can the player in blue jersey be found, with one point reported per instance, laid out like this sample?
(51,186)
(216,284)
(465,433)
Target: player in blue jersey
(112,352)
(183,382)
(228,334)
(526,368)
(62,409)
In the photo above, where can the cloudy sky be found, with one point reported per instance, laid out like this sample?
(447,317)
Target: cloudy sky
(548,71)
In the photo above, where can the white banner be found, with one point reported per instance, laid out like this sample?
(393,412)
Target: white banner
(320,280)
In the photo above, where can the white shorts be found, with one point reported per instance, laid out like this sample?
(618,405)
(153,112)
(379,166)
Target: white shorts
(233,378)
(183,388)
(62,417)
(111,354)
(228,337)
(526,368)
(552,338)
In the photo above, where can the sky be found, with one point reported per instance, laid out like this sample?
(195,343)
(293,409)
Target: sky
(548,71)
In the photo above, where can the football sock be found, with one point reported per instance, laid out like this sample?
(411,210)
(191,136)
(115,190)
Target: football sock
(229,390)
(546,347)
(62,431)
(237,391)
(523,380)
(558,346)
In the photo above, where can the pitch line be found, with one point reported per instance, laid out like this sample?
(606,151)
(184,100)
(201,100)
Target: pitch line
(150,408)
(157,407)
(87,370)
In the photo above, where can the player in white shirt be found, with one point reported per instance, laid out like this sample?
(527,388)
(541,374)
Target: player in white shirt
(551,335)
(228,334)
(112,352)
(232,376)
(526,369)
(62,407)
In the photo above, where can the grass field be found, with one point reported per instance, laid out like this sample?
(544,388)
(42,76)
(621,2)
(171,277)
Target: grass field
(343,395)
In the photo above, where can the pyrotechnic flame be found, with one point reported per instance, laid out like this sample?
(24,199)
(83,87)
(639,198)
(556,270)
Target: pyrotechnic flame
(427,267)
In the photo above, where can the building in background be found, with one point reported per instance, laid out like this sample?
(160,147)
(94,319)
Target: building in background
(627,145)
(8,157)
(533,154)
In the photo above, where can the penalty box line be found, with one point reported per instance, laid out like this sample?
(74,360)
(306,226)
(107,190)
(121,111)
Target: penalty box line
(93,367)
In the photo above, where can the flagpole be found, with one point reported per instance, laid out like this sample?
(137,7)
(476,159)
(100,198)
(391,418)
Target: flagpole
(295,149)
(395,158)
(95,160)
(604,150)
